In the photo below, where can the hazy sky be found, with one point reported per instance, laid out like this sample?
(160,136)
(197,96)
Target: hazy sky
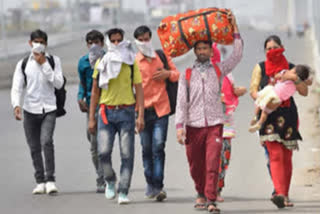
(260,7)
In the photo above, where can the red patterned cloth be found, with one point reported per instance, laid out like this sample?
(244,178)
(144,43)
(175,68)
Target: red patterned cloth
(178,33)
(275,62)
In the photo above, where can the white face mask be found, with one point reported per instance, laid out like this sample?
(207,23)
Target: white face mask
(95,52)
(146,48)
(38,47)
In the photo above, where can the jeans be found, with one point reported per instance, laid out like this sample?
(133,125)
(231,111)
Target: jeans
(153,140)
(121,121)
(92,138)
(39,129)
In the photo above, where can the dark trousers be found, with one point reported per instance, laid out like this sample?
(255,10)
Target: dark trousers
(39,130)
(153,141)
(203,147)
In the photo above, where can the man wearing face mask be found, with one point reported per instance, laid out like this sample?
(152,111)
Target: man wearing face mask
(114,77)
(39,80)
(95,41)
(157,110)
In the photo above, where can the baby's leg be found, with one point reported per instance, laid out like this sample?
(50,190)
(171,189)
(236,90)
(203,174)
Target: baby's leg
(256,112)
(271,106)
(267,110)
(263,117)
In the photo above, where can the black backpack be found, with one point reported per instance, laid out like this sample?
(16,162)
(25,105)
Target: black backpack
(172,87)
(59,93)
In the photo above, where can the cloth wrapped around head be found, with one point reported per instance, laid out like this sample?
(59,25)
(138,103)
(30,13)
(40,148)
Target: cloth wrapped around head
(275,62)
(110,65)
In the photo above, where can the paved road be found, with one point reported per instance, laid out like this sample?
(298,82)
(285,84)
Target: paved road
(248,184)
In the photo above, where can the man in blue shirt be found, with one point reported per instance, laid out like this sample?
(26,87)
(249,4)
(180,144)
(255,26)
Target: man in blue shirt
(95,41)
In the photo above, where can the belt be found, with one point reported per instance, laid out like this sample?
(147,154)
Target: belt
(103,110)
(149,109)
(119,106)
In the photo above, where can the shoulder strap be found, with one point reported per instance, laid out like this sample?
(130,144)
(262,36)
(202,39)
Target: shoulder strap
(23,68)
(25,61)
(51,61)
(163,58)
(188,77)
(132,72)
(217,69)
(218,72)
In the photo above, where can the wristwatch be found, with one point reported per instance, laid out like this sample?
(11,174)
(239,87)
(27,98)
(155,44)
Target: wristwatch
(236,36)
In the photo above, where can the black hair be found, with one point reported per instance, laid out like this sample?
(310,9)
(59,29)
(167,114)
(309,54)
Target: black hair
(94,35)
(203,41)
(115,31)
(39,34)
(303,71)
(141,30)
(274,38)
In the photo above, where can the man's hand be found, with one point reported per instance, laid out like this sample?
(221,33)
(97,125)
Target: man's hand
(233,22)
(139,124)
(92,126)
(83,106)
(17,113)
(161,74)
(39,57)
(181,136)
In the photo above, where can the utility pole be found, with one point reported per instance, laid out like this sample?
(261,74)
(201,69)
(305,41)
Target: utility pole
(291,14)
(3,30)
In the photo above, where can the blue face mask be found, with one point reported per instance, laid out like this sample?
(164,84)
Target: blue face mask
(95,52)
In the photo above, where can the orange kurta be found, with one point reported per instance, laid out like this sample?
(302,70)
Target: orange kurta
(155,93)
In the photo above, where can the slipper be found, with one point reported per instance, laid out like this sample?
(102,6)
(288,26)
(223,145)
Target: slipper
(288,203)
(278,200)
(200,206)
(212,208)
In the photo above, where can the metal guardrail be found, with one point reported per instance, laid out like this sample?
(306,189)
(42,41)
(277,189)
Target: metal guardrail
(315,35)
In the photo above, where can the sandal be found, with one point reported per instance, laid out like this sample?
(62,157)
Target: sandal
(212,208)
(278,200)
(200,206)
(200,203)
(288,203)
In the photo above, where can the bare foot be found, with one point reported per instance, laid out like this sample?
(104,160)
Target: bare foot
(219,198)
(212,208)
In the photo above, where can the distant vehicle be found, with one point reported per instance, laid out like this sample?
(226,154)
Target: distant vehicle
(300,30)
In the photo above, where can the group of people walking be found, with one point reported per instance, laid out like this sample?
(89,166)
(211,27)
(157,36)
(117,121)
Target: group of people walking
(125,93)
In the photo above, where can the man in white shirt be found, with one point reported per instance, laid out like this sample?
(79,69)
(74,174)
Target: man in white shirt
(39,78)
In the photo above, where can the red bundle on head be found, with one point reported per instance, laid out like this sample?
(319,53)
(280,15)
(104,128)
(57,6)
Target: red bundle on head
(276,61)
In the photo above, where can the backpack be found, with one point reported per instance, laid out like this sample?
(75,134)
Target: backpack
(59,93)
(171,87)
(188,77)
